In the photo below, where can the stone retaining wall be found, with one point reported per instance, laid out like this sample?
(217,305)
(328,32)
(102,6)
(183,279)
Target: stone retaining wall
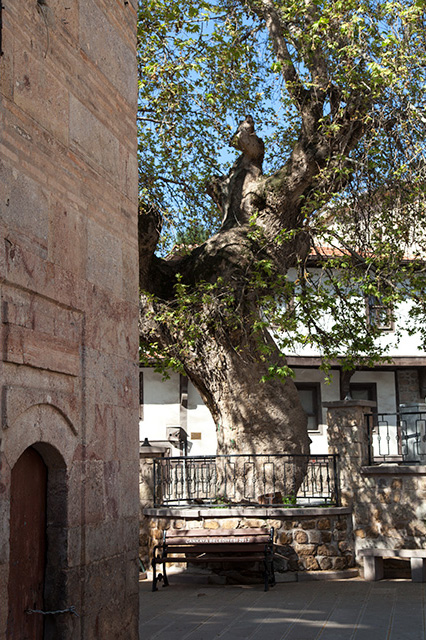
(387,500)
(312,539)
(391,507)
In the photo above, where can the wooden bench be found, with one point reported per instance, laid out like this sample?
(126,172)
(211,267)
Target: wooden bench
(373,562)
(215,545)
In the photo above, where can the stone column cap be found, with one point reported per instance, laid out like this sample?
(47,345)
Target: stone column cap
(350,403)
(152,450)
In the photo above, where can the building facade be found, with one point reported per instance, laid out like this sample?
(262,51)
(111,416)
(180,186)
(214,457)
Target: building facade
(69,308)
(175,403)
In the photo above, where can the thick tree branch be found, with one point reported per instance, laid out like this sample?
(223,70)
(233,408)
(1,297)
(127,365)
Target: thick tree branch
(149,228)
(236,193)
(267,10)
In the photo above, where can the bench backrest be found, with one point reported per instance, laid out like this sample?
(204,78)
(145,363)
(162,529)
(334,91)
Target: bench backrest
(194,537)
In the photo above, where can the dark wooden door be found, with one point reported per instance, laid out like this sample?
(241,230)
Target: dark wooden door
(27,546)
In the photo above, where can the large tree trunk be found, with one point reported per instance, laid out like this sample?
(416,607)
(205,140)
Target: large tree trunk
(253,412)
(251,416)
(222,353)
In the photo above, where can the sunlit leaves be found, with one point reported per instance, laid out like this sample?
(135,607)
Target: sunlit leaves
(203,65)
(197,66)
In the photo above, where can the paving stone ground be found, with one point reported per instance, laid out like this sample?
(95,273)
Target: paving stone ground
(336,610)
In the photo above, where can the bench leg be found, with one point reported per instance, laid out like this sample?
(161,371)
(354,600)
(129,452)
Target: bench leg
(266,574)
(154,575)
(373,568)
(273,583)
(165,578)
(418,569)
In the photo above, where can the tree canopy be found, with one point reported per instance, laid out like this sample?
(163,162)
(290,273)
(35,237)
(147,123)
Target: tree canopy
(281,147)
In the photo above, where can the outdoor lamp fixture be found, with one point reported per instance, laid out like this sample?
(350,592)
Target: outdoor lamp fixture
(146,443)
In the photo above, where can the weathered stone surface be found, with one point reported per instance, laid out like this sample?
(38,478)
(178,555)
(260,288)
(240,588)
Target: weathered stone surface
(95,32)
(104,258)
(337,535)
(325,563)
(286,538)
(341,525)
(254,523)
(68,239)
(305,549)
(40,93)
(327,550)
(6,64)
(310,563)
(301,537)
(69,299)
(315,536)
(231,523)
(36,349)
(74,546)
(339,564)
(24,203)
(85,132)
(17,399)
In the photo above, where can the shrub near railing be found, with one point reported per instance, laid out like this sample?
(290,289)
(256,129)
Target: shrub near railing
(245,479)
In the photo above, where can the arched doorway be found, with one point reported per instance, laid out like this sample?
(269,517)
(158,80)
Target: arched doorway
(27,547)
(51,441)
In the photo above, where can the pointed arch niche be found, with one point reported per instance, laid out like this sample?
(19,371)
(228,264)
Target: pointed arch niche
(45,429)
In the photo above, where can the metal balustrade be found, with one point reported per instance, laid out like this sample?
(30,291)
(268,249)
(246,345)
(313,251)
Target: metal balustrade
(397,437)
(246,479)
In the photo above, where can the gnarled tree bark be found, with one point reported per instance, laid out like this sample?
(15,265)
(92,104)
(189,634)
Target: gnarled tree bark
(225,360)
(226,364)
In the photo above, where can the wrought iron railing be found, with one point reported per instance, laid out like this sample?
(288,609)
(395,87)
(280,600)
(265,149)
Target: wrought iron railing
(246,479)
(397,437)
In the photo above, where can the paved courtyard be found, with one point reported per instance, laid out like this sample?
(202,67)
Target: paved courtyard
(338,610)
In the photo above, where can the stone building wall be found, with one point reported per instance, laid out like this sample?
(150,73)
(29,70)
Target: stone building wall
(311,539)
(387,500)
(393,512)
(69,300)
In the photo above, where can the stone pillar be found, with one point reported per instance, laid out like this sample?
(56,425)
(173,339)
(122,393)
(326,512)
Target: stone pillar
(69,298)
(147,453)
(348,438)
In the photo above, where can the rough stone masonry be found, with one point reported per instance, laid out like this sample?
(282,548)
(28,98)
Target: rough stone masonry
(69,304)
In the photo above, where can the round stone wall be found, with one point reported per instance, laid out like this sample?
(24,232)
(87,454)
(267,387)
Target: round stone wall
(310,539)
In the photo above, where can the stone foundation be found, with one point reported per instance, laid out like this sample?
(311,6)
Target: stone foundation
(312,539)
(387,500)
(392,512)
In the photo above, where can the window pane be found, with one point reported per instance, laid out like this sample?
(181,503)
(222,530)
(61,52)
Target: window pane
(360,394)
(312,423)
(310,399)
(307,399)
(363,391)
